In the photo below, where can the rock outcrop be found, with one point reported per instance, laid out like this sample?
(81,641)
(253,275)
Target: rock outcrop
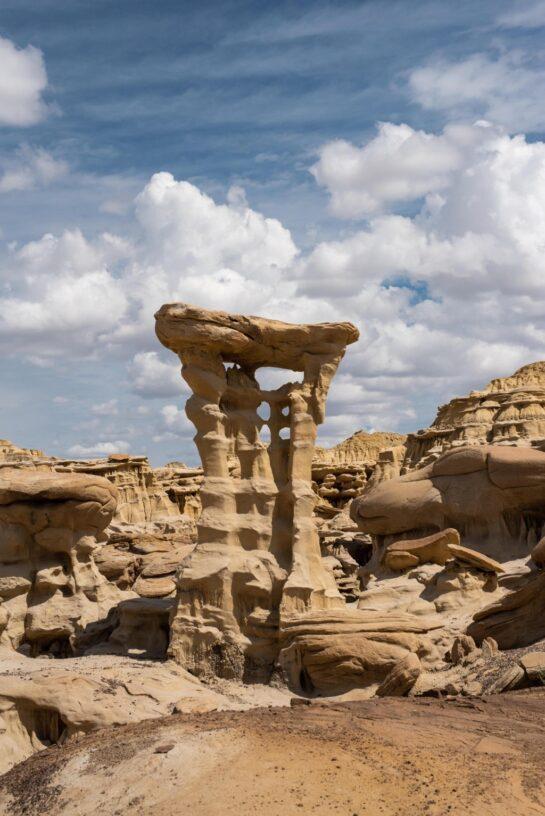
(257,562)
(343,472)
(456,538)
(493,495)
(508,411)
(52,594)
(145,494)
(46,702)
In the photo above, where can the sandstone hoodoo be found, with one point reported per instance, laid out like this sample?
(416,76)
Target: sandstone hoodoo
(257,561)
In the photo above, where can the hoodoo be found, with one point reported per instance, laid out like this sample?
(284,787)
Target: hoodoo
(257,561)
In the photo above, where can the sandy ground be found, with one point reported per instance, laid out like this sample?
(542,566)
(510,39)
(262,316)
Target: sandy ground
(382,757)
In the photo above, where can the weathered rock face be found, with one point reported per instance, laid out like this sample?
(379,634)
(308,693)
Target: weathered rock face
(488,586)
(257,561)
(342,472)
(141,495)
(361,447)
(145,494)
(52,594)
(493,495)
(510,410)
(13,454)
(181,484)
(43,702)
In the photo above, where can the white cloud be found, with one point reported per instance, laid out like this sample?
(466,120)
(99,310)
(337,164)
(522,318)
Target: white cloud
(60,297)
(23,80)
(399,164)
(524,15)
(105,409)
(30,167)
(507,89)
(176,421)
(98,449)
(151,377)
(448,295)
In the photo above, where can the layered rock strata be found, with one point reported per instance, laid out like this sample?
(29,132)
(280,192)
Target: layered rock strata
(343,472)
(145,494)
(257,562)
(508,411)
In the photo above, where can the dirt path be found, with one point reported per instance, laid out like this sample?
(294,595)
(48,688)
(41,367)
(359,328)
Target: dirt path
(388,757)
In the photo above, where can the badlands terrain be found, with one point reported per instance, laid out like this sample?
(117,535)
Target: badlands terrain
(357,630)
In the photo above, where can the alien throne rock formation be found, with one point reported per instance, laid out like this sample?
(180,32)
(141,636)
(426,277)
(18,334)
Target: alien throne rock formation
(257,560)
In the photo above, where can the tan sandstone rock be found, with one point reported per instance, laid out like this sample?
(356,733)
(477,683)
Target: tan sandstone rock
(254,589)
(533,664)
(402,677)
(52,594)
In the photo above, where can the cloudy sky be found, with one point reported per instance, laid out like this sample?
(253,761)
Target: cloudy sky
(381,162)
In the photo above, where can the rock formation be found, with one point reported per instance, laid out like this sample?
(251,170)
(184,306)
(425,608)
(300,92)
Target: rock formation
(509,410)
(45,702)
(493,495)
(342,472)
(361,447)
(485,586)
(52,594)
(145,494)
(257,561)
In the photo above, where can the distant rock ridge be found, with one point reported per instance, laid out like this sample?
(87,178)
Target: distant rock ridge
(358,448)
(344,471)
(145,493)
(508,411)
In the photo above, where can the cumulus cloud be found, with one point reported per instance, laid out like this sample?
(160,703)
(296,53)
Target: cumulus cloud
(445,298)
(23,80)
(452,293)
(507,89)
(59,296)
(176,421)
(98,449)
(105,409)
(151,377)
(399,164)
(28,168)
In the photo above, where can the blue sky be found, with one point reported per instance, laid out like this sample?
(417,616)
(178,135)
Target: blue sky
(380,161)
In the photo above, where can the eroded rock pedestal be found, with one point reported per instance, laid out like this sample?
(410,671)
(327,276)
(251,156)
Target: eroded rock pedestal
(257,562)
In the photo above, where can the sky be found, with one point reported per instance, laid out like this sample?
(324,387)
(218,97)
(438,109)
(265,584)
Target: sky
(381,162)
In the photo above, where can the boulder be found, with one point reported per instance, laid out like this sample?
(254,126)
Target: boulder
(533,664)
(401,678)
(490,494)
(433,549)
